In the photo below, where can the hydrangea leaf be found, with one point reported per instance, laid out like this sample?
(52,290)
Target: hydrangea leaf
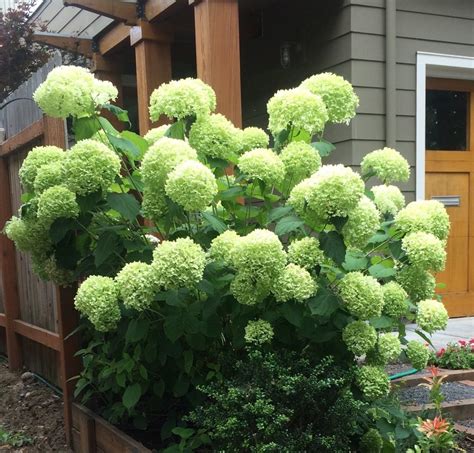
(288,224)
(333,246)
(381,322)
(381,271)
(214,222)
(324,303)
(176,130)
(132,395)
(85,127)
(125,204)
(323,147)
(120,114)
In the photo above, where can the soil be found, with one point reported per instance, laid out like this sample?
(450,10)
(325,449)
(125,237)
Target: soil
(31,412)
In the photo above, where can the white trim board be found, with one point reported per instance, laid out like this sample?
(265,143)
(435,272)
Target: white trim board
(433,64)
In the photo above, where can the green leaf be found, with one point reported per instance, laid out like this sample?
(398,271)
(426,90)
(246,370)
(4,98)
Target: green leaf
(292,313)
(333,246)
(214,222)
(181,386)
(323,147)
(281,138)
(288,224)
(140,143)
(85,127)
(355,261)
(176,130)
(132,395)
(382,322)
(174,327)
(107,244)
(60,228)
(120,114)
(126,147)
(381,271)
(278,213)
(232,193)
(184,433)
(425,337)
(106,125)
(188,357)
(137,330)
(396,249)
(125,204)
(324,303)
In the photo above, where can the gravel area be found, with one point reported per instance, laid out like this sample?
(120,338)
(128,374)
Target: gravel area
(468,422)
(452,391)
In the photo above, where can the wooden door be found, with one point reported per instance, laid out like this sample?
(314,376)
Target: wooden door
(450,179)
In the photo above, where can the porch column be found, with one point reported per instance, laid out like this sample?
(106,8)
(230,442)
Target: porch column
(153,66)
(218,53)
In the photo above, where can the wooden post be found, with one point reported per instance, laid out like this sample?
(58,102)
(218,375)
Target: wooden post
(218,53)
(8,272)
(153,66)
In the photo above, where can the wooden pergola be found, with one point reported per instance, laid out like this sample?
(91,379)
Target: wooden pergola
(149,29)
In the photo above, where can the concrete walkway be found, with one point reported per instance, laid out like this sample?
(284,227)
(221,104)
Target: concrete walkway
(458,329)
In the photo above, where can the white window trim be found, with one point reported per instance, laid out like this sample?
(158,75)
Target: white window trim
(423,60)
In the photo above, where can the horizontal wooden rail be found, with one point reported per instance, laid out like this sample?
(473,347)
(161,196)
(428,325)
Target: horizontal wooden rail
(23,138)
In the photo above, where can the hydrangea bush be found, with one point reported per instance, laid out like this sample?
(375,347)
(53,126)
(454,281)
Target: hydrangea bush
(248,244)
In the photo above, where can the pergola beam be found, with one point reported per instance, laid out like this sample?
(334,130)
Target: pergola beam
(114,38)
(117,10)
(160,9)
(70,43)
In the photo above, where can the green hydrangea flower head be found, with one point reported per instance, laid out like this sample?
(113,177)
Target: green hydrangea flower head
(359,337)
(222,247)
(179,263)
(97,300)
(254,137)
(301,161)
(161,158)
(24,234)
(334,191)
(56,202)
(306,253)
(362,294)
(137,285)
(388,199)
(216,137)
(260,254)
(425,251)
(49,175)
(247,291)
(431,315)
(362,224)
(373,381)
(68,90)
(389,348)
(298,201)
(153,135)
(395,300)
(429,216)
(387,164)
(338,95)
(262,164)
(36,158)
(418,354)
(153,204)
(103,92)
(419,284)
(90,166)
(297,108)
(258,332)
(182,99)
(191,185)
(294,283)
(371,442)
(47,269)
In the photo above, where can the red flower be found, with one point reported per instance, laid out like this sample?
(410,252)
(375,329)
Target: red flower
(441,352)
(434,427)
(471,341)
(462,342)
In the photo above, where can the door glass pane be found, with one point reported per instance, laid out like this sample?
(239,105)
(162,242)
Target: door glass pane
(446,120)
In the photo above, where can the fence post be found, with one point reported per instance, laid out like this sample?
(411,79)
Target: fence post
(8,272)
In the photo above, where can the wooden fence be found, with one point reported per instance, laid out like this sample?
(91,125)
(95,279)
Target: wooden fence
(36,317)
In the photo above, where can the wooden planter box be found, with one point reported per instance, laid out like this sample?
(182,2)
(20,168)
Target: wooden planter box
(91,433)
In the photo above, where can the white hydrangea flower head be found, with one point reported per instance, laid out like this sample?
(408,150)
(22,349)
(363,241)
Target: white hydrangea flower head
(182,99)
(247,291)
(35,159)
(301,161)
(103,92)
(191,185)
(161,158)
(419,284)
(179,263)
(137,285)
(418,354)
(395,300)
(429,216)
(389,348)
(387,164)
(298,201)
(333,191)
(360,337)
(373,381)
(97,300)
(90,166)
(298,108)
(362,223)
(388,199)
(214,136)
(27,235)
(47,269)
(153,135)
(362,294)
(49,175)
(56,202)
(431,315)
(262,164)
(253,138)
(260,254)
(294,283)
(337,93)
(306,253)
(425,251)
(258,332)
(153,203)
(222,247)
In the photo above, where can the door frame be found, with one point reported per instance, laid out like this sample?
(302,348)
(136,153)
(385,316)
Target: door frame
(433,65)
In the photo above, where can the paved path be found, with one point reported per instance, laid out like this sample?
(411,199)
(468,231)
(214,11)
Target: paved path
(458,329)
